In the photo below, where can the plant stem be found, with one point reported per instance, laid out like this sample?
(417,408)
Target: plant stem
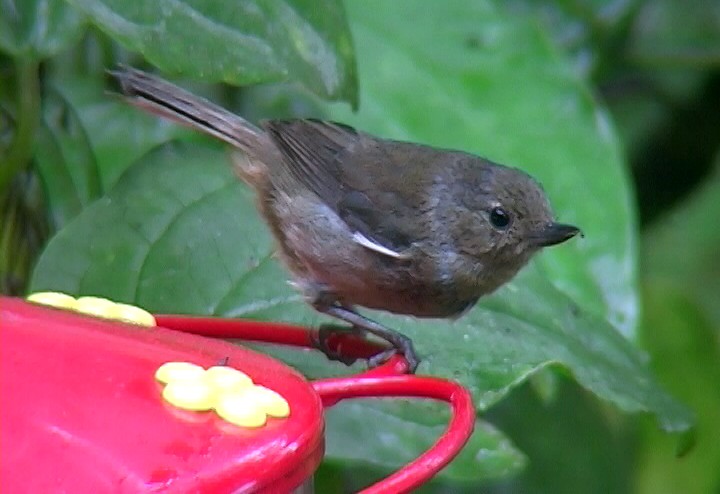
(27,118)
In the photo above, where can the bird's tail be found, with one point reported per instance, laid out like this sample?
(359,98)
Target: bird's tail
(168,100)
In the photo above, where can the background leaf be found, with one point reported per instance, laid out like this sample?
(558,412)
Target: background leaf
(118,134)
(238,42)
(674,33)
(686,358)
(544,430)
(38,28)
(687,229)
(680,330)
(65,161)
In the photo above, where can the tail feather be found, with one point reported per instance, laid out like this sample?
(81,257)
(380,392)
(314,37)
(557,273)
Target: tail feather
(168,100)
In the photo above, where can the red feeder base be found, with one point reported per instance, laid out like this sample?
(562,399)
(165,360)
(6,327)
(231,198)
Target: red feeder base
(82,412)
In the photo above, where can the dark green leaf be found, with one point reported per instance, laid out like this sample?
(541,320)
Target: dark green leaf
(238,42)
(38,28)
(60,192)
(65,161)
(572,444)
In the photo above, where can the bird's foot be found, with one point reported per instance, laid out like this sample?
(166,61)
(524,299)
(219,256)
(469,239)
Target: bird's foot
(321,339)
(327,302)
(401,346)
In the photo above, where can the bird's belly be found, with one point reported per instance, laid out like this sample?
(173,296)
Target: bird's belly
(319,249)
(415,303)
(362,277)
(356,288)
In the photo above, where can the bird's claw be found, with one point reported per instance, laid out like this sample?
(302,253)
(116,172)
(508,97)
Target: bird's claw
(400,344)
(404,348)
(320,340)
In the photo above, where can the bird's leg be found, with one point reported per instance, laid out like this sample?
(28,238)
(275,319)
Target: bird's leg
(401,343)
(326,303)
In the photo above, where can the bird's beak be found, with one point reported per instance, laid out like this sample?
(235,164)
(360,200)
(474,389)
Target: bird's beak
(553,234)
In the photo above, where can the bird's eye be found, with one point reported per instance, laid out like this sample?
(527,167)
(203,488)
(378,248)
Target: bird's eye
(499,218)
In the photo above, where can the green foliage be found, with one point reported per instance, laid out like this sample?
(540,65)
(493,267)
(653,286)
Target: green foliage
(238,43)
(687,358)
(680,329)
(689,229)
(148,213)
(37,29)
(601,459)
(65,161)
(682,34)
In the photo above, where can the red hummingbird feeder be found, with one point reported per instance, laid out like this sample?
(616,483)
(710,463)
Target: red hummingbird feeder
(83,410)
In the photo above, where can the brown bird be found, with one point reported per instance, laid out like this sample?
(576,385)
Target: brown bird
(365,221)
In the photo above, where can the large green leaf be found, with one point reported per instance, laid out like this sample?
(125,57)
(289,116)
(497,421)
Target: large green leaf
(238,42)
(38,28)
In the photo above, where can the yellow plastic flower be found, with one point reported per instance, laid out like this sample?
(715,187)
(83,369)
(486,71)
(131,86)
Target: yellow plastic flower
(95,306)
(230,392)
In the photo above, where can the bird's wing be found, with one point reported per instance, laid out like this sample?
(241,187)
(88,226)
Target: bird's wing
(374,185)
